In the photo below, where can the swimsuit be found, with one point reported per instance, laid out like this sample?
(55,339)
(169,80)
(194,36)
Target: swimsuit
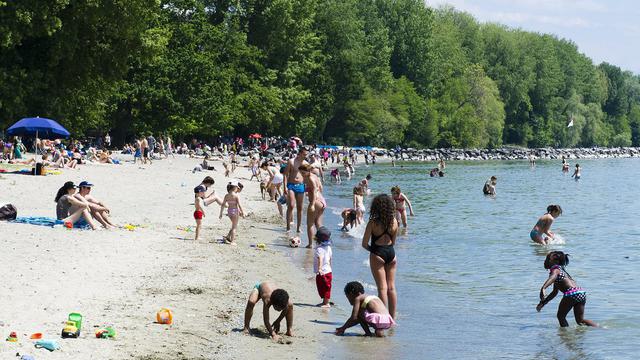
(297,188)
(198,215)
(232,211)
(399,201)
(386,252)
(378,321)
(535,235)
(577,294)
(319,197)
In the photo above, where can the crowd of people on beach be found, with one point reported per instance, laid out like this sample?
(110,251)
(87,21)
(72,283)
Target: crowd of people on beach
(294,181)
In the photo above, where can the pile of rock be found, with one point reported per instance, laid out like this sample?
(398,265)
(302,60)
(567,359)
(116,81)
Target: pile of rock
(513,153)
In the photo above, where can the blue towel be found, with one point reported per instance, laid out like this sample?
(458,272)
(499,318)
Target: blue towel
(47,221)
(38,220)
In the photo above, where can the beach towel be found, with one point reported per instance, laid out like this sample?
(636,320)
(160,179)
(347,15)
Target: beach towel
(38,220)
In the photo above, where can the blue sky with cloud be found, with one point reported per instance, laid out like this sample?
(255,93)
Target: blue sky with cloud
(604,30)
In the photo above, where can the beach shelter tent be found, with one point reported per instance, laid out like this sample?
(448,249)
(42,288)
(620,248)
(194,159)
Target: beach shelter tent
(42,128)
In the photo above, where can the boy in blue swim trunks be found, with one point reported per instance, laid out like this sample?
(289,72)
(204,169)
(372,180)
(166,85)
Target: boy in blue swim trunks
(294,187)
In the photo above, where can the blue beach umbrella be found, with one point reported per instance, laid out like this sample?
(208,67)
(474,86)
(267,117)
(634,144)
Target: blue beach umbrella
(39,127)
(42,128)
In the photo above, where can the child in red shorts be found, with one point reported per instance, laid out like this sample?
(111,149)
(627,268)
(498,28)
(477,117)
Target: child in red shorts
(199,203)
(322,265)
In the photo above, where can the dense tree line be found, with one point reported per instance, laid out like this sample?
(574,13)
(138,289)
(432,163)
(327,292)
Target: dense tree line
(380,72)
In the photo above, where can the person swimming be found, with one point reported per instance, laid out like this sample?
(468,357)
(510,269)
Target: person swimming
(543,226)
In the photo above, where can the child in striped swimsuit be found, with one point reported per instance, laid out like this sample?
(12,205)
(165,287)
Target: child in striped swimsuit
(574,296)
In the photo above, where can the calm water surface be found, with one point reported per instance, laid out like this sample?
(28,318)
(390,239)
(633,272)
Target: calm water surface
(468,275)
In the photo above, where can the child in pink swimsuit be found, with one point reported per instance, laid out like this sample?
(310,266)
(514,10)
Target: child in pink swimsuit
(368,311)
(234,211)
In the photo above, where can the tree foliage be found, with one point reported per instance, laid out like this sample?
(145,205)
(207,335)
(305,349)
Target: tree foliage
(374,72)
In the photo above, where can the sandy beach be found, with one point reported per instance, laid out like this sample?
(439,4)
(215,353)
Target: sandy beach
(122,278)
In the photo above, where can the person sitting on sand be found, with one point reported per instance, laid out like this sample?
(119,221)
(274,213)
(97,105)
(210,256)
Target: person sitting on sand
(98,210)
(543,226)
(70,209)
(349,217)
(368,311)
(279,299)
(489,187)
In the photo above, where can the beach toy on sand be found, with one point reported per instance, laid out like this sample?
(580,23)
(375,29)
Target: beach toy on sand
(294,242)
(106,333)
(129,227)
(13,337)
(36,336)
(261,246)
(164,316)
(47,344)
(73,326)
(68,224)
(27,357)
(70,330)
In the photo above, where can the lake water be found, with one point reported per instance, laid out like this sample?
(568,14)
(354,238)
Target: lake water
(468,275)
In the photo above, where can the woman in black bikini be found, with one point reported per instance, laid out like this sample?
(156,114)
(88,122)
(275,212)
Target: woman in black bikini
(382,229)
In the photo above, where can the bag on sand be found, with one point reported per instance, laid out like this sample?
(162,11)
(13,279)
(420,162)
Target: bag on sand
(8,212)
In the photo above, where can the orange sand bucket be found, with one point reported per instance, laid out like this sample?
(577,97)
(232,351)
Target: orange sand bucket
(164,316)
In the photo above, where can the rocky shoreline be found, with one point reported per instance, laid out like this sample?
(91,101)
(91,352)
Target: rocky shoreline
(515,153)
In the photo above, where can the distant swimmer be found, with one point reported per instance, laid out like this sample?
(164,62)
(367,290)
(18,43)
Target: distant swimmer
(399,198)
(489,187)
(565,165)
(573,296)
(441,164)
(541,232)
(576,172)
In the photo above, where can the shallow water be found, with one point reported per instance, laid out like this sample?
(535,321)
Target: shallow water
(468,275)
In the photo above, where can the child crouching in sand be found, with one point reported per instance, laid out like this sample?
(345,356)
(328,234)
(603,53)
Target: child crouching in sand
(279,299)
(322,260)
(234,211)
(198,214)
(368,310)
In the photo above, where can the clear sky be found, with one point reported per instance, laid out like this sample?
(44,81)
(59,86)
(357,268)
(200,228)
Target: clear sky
(604,30)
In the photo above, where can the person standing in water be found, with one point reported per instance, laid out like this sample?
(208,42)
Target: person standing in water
(382,230)
(541,232)
(573,296)
(565,165)
(576,172)
(490,186)
(399,198)
(317,203)
(294,187)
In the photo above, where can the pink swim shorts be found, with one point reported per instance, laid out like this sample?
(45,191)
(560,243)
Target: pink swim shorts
(379,321)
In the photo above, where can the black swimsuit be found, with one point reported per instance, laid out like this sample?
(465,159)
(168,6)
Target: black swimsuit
(386,252)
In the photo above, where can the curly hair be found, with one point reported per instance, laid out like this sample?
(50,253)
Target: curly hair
(383,210)
(353,288)
(279,299)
